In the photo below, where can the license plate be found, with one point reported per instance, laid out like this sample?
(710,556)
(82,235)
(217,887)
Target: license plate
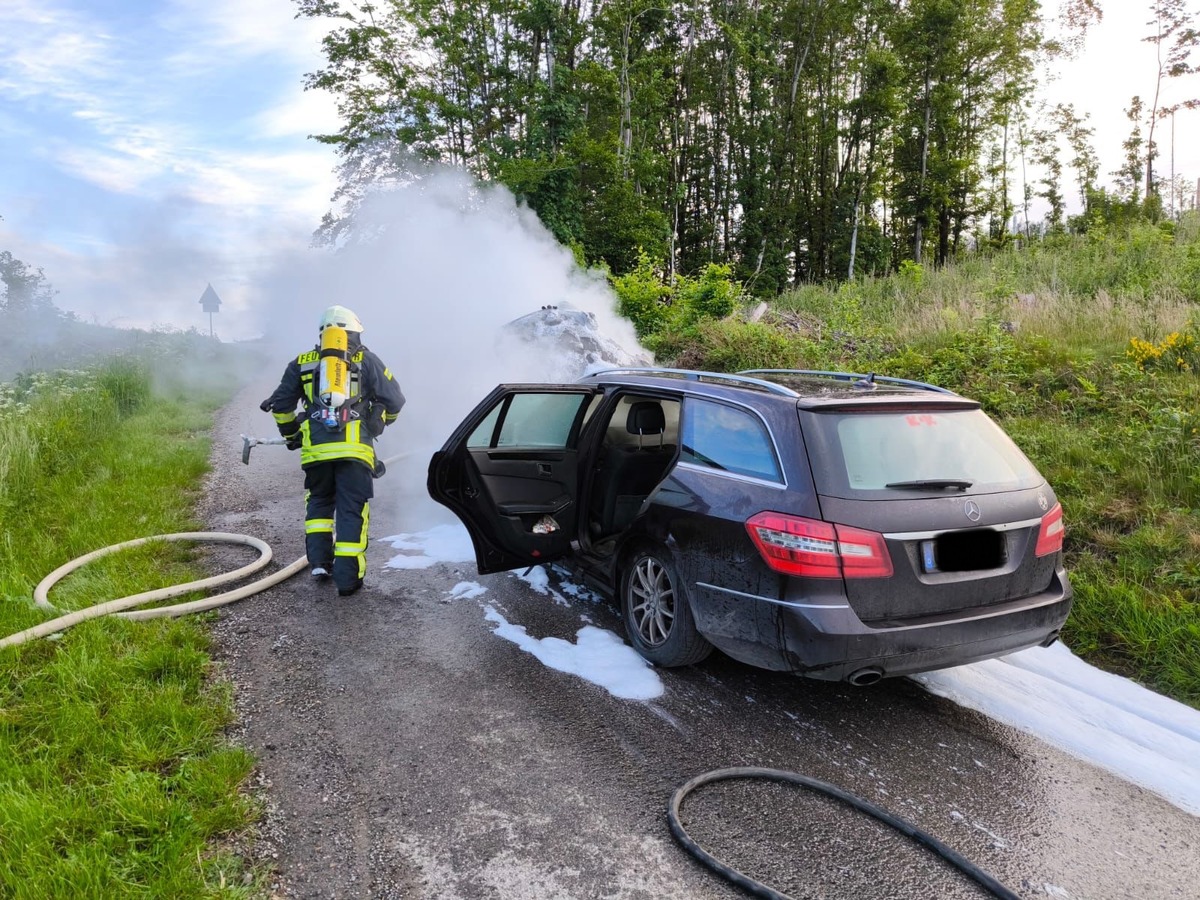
(964,551)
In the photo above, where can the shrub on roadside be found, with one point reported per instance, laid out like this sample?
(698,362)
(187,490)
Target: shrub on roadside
(730,345)
(655,306)
(642,297)
(126,383)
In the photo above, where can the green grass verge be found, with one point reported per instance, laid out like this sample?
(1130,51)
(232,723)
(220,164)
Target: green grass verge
(115,778)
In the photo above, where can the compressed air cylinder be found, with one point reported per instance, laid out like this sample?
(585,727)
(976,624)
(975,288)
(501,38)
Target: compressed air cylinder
(334,382)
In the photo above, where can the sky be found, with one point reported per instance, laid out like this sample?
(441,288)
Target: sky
(1048,692)
(151,147)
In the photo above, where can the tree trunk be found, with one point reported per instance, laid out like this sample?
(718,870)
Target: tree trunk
(853,241)
(922,206)
(626,102)
(1154,107)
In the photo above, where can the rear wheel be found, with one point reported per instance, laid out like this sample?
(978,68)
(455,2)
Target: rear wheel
(658,617)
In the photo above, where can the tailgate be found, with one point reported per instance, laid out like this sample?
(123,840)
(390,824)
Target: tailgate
(953,562)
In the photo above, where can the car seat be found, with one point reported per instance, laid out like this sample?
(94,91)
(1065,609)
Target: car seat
(631,472)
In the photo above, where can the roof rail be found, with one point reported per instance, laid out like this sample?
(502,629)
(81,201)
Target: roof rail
(695,375)
(859,380)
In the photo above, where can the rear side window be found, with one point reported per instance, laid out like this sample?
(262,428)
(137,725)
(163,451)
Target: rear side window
(529,420)
(865,451)
(727,439)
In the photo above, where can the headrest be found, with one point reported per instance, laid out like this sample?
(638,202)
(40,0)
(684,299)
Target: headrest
(646,417)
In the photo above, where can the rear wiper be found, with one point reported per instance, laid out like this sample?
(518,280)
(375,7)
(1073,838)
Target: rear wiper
(932,484)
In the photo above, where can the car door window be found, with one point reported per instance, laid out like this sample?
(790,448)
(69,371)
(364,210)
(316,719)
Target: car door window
(535,421)
(481,437)
(728,439)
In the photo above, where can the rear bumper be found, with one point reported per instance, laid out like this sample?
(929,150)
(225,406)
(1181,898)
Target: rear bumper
(826,640)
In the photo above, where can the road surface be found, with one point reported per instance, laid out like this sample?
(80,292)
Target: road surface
(408,751)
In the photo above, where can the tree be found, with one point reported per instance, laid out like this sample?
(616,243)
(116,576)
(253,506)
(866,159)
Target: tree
(967,71)
(1078,16)
(1084,160)
(1129,174)
(1045,155)
(1174,39)
(25,289)
(798,140)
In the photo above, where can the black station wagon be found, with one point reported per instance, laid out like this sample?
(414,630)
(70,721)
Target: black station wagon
(839,526)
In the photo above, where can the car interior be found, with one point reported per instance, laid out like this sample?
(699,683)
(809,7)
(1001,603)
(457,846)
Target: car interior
(640,442)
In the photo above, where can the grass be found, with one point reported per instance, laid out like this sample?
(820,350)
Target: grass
(1044,339)
(1129,480)
(115,778)
(1092,292)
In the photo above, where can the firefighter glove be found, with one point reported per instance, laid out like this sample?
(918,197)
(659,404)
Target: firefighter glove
(294,441)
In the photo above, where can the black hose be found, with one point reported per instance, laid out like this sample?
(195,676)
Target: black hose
(757,888)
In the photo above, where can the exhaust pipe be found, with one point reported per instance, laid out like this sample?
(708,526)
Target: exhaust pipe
(863,677)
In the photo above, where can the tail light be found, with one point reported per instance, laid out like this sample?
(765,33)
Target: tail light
(1050,536)
(815,549)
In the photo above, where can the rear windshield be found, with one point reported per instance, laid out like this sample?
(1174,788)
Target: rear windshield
(859,454)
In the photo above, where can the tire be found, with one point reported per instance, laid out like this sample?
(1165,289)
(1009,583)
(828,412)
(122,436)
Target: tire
(657,612)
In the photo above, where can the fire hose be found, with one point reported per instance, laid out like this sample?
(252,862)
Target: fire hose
(757,888)
(124,606)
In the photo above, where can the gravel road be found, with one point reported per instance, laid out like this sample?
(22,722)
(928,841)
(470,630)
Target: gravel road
(407,751)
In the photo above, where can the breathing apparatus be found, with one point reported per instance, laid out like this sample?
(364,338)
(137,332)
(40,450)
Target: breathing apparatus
(333,379)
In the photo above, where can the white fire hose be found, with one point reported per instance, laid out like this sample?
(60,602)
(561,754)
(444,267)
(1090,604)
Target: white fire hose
(118,606)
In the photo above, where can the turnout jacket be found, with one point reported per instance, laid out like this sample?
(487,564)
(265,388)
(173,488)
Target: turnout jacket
(374,402)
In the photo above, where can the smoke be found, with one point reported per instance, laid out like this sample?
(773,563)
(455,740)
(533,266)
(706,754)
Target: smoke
(435,272)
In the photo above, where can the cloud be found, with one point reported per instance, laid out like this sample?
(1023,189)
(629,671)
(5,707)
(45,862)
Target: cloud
(156,147)
(245,28)
(114,172)
(300,113)
(53,59)
(140,114)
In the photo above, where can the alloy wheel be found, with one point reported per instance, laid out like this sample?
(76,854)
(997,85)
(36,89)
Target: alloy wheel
(653,601)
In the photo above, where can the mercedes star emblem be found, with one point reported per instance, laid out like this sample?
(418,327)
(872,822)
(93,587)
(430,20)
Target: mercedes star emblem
(971,508)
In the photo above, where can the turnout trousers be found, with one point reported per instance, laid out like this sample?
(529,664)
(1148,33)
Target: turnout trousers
(338,495)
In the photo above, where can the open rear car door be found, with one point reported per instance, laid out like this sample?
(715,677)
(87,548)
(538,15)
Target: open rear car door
(510,472)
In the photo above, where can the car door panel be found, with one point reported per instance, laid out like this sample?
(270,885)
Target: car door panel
(539,481)
(518,502)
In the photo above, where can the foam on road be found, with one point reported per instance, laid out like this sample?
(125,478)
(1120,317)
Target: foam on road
(1050,693)
(1104,719)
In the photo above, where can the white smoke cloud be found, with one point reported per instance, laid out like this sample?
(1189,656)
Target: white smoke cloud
(448,264)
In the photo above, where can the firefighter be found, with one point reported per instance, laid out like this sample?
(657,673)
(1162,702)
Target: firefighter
(348,397)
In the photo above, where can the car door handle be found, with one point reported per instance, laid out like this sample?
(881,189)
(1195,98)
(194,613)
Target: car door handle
(545,469)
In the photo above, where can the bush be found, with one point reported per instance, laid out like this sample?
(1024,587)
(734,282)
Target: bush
(642,298)
(713,295)
(655,307)
(730,346)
